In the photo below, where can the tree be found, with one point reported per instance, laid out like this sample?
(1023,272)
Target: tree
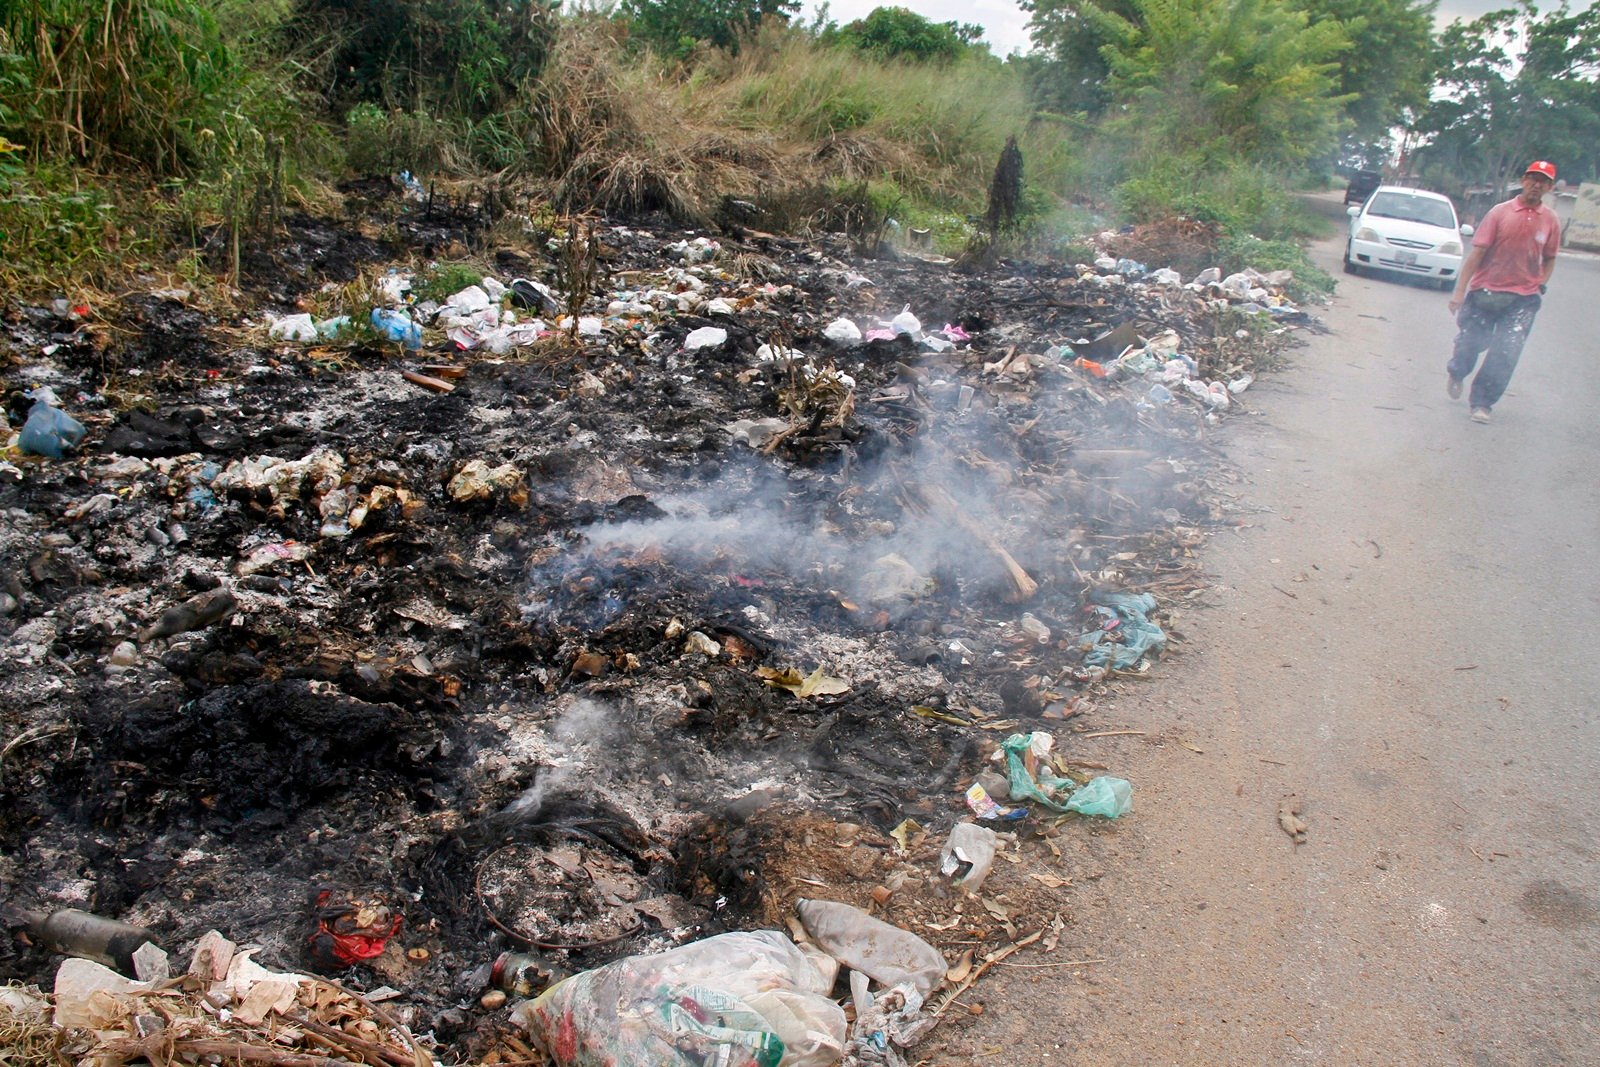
(1072,35)
(892,32)
(677,27)
(1516,86)
(1390,63)
(1224,80)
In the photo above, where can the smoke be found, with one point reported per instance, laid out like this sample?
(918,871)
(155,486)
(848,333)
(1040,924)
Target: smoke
(586,729)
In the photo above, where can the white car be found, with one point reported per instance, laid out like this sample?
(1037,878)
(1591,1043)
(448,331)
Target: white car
(1406,231)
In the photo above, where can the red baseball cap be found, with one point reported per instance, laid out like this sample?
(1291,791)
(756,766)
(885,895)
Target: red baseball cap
(1542,167)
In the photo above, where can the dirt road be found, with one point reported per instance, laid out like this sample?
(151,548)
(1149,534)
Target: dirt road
(1403,638)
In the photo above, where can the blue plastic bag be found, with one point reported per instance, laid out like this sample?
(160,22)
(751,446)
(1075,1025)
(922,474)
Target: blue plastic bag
(50,432)
(397,326)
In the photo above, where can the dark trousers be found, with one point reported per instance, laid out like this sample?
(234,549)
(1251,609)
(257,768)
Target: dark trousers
(1497,334)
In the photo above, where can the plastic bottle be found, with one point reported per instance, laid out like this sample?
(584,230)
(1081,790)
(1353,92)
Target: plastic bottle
(887,954)
(968,855)
(91,937)
(1034,628)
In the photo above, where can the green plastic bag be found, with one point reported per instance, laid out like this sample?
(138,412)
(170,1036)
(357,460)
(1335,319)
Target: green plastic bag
(1104,796)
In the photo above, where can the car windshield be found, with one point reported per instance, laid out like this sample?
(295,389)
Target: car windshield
(1413,208)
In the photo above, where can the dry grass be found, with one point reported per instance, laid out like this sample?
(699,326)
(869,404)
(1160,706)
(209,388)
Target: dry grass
(26,1037)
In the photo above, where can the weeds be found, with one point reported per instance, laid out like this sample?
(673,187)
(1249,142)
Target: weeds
(577,270)
(443,280)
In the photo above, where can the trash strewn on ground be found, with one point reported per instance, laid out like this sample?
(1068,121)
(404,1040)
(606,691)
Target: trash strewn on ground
(574,628)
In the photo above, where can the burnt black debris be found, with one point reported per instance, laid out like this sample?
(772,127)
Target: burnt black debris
(572,658)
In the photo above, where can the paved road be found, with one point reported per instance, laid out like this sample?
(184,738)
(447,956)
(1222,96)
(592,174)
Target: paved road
(1406,639)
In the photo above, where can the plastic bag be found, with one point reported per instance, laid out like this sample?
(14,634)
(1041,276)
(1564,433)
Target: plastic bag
(1105,796)
(968,855)
(883,952)
(396,326)
(906,322)
(293,328)
(50,432)
(734,1000)
(1139,635)
(705,337)
(842,332)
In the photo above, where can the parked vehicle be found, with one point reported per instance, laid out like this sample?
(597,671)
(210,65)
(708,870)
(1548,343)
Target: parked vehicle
(1363,183)
(1406,231)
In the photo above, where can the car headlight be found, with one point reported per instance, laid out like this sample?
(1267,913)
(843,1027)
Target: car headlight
(1367,233)
(1450,248)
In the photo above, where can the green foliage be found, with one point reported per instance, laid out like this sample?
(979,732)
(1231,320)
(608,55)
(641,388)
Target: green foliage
(460,57)
(1389,66)
(1515,86)
(1225,79)
(103,81)
(1073,35)
(387,142)
(1241,198)
(675,28)
(442,280)
(52,226)
(895,32)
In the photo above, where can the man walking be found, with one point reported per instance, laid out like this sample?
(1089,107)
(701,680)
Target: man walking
(1497,294)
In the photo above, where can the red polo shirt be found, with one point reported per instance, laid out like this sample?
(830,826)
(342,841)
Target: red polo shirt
(1519,239)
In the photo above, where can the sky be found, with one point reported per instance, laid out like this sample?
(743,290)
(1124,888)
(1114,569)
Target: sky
(1006,25)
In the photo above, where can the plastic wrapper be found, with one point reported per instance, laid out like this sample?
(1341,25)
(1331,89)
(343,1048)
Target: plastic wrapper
(734,1000)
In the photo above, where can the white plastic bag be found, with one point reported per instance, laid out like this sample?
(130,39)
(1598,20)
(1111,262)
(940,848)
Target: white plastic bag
(705,337)
(740,1000)
(293,328)
(842,332)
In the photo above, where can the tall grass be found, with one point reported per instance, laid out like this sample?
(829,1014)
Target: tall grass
(130,81)
(935,129)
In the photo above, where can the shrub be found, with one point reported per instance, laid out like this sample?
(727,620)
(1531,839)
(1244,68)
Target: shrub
(386,142)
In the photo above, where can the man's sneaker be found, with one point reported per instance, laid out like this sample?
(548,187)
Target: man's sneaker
(1480,414)
(1454,388)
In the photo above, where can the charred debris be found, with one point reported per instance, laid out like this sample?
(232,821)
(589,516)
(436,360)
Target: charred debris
(691,576)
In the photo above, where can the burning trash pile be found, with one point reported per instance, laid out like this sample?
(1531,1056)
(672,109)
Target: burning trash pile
(669,621)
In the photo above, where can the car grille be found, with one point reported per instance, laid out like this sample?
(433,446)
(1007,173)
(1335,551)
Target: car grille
(1397,242)
(1395,264)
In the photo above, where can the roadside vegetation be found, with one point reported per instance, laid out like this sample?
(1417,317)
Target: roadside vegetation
(166,136)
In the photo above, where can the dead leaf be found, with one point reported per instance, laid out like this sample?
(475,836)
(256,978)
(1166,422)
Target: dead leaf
(961,968)
(1054,937)
(995,908)
(818,684)
(1048,880)
(1289,818)
(1191,746)
(909,834)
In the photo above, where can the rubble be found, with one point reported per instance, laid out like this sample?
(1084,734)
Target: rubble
(586,640)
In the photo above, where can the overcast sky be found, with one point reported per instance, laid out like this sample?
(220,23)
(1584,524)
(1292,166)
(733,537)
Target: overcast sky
(1006,25)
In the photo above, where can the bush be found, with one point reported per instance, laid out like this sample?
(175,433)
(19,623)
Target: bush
(386,142)
(895,33)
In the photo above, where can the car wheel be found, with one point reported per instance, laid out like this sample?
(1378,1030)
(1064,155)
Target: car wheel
(1349,264)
